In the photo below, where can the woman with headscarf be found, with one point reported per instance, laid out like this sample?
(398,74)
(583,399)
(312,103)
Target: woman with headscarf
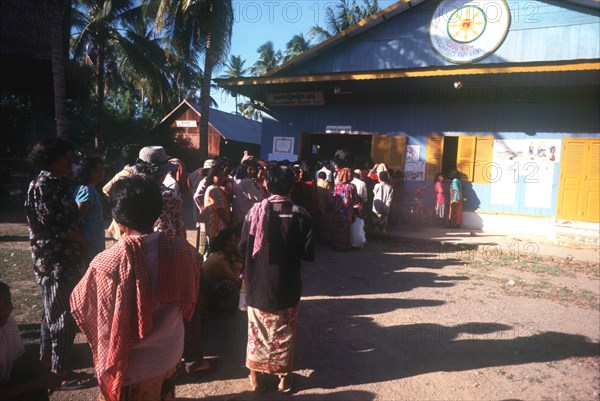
(276,236)
(345,201)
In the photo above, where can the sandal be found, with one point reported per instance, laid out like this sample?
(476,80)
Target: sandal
(285,384)
(257,387)
(77,381)
(192,367)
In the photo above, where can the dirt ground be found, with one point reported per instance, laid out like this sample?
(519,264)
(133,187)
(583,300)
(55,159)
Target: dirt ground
(395,321)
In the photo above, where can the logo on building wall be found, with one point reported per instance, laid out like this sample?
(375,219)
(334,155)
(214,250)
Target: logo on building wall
(467,31)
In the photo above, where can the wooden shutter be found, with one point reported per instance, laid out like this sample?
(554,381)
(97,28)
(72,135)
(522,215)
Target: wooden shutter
(591,191)
(434,154)
(465,157)
(389,149)
(484,152)
(572,168)
(396,152)
(378,148)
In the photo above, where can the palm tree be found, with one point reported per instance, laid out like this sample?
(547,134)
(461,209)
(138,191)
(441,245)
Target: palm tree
(194,27)
(297,45)
(268,59)
(235,69)
(250,109)
(116,53)
(342,17)
(56,11)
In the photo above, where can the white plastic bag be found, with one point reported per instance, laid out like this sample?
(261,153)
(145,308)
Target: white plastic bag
(242,303)
(358,239)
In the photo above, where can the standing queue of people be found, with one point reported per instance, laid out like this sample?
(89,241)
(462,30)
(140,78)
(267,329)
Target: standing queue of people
(140,302)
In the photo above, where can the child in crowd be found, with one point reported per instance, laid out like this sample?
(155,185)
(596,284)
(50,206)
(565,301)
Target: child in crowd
(440,199)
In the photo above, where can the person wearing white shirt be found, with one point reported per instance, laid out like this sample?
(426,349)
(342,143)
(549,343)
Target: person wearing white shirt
(326,169)
(361,186)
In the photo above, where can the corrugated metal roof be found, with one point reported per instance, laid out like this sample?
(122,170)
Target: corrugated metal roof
(230,126)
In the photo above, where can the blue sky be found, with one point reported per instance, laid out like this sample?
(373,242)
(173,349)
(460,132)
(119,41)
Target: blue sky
(256,22)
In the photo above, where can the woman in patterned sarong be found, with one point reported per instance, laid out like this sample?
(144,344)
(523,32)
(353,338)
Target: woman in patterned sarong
(276,236)
(345,201)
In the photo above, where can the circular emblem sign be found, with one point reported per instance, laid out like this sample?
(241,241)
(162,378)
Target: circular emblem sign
(466,31)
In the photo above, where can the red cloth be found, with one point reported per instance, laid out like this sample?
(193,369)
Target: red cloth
(112,304)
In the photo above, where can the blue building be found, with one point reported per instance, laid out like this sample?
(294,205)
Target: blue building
(506,92)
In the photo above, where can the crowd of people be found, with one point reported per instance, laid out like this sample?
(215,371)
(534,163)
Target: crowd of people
(142,302)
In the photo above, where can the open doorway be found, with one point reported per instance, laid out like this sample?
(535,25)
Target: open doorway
(449,156)
(321,146)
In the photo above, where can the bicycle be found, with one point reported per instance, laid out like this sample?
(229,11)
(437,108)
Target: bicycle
(418,214)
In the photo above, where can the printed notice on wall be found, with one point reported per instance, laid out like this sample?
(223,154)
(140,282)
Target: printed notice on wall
(414,169)
(529,162)
(504,184)
(538,191)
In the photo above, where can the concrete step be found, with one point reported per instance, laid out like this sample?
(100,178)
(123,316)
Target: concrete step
(576,234)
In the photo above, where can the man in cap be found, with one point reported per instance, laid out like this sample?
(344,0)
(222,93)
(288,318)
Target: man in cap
(201,241)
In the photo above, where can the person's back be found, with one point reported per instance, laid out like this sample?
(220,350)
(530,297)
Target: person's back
(273,277)
(136,294)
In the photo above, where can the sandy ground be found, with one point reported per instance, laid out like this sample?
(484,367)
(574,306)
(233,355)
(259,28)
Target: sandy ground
(397,322)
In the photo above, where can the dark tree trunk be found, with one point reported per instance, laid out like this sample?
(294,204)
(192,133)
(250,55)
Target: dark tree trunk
(56,14)
(205,101)
(99,139)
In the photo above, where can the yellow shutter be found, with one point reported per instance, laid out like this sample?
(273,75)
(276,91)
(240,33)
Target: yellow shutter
(465,156)
(572,168)
(390,150)
(378,148)
(433,158)
(591,191)
(396,152)
(484,152)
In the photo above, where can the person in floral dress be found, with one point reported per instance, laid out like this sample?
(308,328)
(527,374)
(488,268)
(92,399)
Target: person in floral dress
(57,244)
(345,201)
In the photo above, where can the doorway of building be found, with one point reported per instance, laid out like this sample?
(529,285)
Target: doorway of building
(449,155)
(322,146)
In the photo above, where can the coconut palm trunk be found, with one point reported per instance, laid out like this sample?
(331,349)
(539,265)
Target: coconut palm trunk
(100,87)
(56,13)
(205,99)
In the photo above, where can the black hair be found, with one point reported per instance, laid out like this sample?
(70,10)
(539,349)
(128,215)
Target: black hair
(218,243)
(241,171)
(438,175)
(356,175)
(130,153)
(280,180)
(322,175)
(4,289)
(384,176)
(136,202)
(213,172)
(46,151)
(85,168)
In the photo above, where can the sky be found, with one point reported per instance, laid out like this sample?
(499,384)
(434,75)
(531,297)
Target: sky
(257,22)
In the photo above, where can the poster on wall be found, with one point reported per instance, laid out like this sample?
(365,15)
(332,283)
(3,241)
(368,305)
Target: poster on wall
(530,162)
(523,150)
(414,169)
(538,192)
(504,188)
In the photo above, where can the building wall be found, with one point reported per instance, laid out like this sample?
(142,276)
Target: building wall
(539,31)
(506,121)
